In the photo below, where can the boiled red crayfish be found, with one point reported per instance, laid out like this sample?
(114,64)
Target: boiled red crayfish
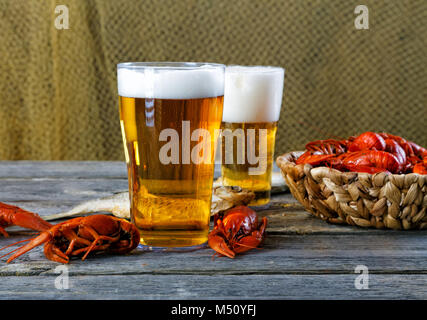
(322,150)
(369,152)
(367,141)
(12,215)
(371,161)
(80,236)
(236,231)
(421,167)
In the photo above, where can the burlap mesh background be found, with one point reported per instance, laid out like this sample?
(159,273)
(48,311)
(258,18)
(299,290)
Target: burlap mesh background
(58,97)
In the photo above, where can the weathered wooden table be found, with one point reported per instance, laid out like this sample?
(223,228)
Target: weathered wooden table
(302,258)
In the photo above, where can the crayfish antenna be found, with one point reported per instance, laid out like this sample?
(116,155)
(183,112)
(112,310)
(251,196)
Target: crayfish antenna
(217,254)
(42,238)
(213,256)
(248,246)
(10,245)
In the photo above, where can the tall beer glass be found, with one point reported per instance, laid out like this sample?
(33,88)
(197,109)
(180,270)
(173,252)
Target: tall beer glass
(170,115)
(252,103)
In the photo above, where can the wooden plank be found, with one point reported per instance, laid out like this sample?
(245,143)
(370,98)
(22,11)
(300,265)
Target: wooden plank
(72,169)
(37,189)
(59,189)
(291,254)
(68,169)
(284,213)
(63,169)
(224,287)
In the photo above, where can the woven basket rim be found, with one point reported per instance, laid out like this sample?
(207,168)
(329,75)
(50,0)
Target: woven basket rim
(288,159)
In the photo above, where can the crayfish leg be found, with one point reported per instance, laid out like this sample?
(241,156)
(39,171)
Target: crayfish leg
(90,248)
(71,247)
(3,232)
(84,250)
(97,238)
(54,253)
(74,239)
(263,226)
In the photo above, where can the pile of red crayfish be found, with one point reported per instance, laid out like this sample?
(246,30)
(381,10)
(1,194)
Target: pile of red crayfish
(369,152)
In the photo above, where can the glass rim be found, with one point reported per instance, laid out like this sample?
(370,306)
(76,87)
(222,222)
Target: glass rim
(254,68)
(169,65)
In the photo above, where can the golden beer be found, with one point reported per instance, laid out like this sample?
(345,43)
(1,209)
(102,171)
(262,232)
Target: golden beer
(252,103)
(169,148)
(237,173)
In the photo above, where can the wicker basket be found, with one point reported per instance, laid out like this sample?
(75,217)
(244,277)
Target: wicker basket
(381,200)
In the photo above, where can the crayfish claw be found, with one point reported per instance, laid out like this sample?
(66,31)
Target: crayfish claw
(55,254)
(219,245)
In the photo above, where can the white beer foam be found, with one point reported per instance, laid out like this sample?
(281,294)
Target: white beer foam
(164,83)
(253,93)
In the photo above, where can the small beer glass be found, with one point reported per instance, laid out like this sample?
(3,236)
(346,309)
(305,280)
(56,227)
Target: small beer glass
(252,103)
